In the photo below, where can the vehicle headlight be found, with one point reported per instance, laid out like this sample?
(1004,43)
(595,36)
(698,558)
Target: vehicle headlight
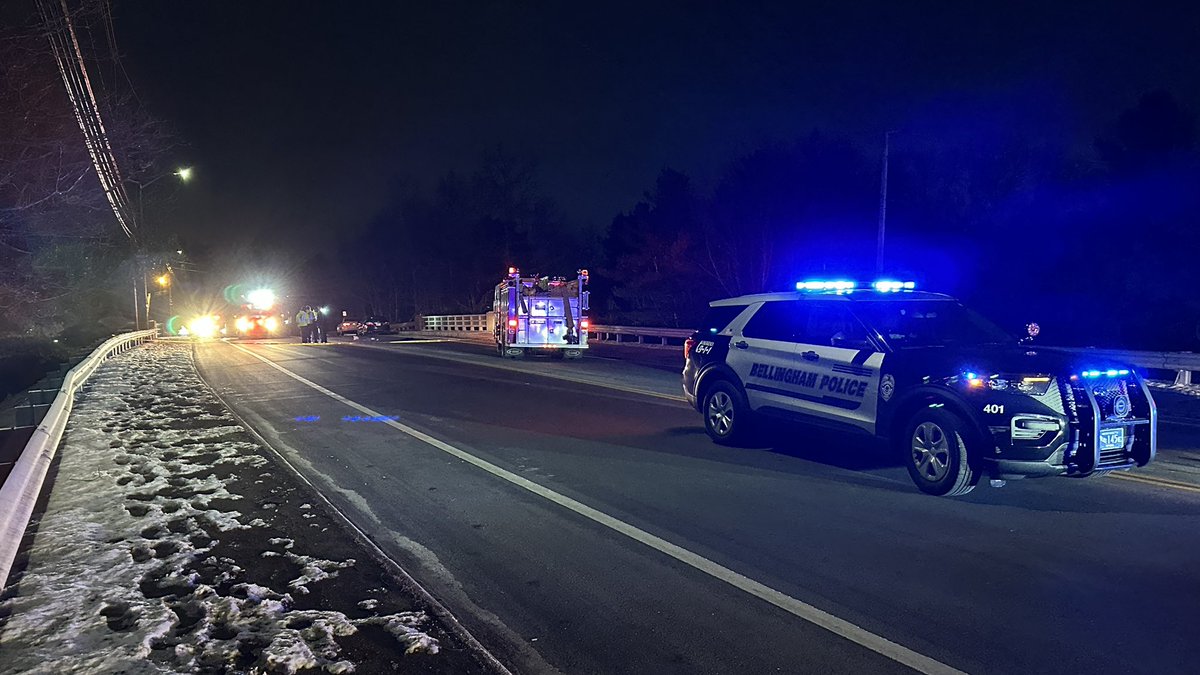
(203,326)
(242,324)
(1030,385)
(272,323)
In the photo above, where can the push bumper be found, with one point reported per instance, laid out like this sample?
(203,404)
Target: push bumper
(1092,438)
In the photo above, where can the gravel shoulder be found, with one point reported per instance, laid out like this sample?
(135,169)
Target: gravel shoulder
(172,541)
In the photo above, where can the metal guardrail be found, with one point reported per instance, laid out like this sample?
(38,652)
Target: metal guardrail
(618,333)
(22,487)
(456,322)
(1183,363)
(632,335)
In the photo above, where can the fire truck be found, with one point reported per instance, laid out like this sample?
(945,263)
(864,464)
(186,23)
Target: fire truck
(538,314)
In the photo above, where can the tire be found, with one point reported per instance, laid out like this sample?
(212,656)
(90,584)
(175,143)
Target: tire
(937,453)
(727,418)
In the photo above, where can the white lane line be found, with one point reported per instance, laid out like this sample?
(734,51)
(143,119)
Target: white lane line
(829,622)
(1180,422)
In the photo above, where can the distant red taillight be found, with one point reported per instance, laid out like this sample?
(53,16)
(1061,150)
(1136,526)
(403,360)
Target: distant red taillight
(584,324)
(687,347)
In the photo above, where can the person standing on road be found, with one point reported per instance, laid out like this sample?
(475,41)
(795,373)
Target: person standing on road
(304,320)
(318,325)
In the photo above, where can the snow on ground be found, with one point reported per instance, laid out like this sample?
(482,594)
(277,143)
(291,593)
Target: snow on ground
(126,572)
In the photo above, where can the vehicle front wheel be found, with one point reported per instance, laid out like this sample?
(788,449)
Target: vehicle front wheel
(727,418)
(937,455)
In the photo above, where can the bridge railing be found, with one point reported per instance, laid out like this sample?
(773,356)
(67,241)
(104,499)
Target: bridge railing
(1183,363)
(451,323)
(23,485)
(640,335)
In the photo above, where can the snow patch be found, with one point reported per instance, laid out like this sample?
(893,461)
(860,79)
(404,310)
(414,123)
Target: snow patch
(121,575)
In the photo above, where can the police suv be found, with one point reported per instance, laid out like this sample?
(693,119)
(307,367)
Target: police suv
(955,394)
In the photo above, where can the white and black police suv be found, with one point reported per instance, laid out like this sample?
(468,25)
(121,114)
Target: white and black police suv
(958,396)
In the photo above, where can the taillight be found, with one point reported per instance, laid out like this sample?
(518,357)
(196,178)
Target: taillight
(512,324)
(584,324)
(687,347)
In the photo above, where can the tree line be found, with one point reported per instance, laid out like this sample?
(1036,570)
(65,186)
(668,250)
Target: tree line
(1001,203)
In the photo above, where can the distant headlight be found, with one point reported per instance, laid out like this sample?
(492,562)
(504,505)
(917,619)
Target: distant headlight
(272,323)
(1030,385)
(203,327)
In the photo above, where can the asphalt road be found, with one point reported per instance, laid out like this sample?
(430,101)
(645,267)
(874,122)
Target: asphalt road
(587,525)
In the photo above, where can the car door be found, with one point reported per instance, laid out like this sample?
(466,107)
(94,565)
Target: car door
(763,354)
(835,343)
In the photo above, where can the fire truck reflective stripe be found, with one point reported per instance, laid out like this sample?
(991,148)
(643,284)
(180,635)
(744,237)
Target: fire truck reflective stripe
(826,400)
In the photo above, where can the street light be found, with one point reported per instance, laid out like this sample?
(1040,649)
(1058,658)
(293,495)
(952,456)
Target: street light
(164,280)
(184,173)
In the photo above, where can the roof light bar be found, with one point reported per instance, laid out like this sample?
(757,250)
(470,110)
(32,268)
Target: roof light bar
(839,285)
(887,286)
(883,286)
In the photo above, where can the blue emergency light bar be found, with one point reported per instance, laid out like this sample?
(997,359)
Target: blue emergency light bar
(842,285)
(1111,372)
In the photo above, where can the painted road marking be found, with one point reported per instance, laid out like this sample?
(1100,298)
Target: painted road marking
(838,626)
(1180,422)
(1155,480)
(1149,480)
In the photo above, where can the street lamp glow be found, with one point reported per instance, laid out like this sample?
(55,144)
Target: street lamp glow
(164,280)
(184,173)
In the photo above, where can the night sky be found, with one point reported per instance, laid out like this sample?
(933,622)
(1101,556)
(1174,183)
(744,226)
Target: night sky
(304,119)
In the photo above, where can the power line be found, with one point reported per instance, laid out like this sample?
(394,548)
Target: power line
(67,54)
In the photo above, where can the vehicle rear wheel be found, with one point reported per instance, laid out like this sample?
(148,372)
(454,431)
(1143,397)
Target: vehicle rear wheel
(937,455)
(727,418)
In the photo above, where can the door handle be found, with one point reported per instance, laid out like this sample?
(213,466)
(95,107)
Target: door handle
(741,344)
(810,356)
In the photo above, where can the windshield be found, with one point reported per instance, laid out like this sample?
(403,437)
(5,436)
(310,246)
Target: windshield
(929,323)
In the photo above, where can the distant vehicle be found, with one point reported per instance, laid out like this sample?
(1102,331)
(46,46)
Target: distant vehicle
(257,325)
(258,317)
(541,314)
(954,394)
(366,326)
(349,327)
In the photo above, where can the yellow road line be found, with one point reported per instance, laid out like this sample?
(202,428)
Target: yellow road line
(1160,482)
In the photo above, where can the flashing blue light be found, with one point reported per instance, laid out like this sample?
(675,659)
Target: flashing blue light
(883,286)
(1111,372)
(888,286)
(971,376)
(837,285)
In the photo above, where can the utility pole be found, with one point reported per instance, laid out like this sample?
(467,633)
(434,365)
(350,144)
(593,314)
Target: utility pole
(882,206)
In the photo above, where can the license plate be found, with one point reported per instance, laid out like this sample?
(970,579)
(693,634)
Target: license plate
(1112,439)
